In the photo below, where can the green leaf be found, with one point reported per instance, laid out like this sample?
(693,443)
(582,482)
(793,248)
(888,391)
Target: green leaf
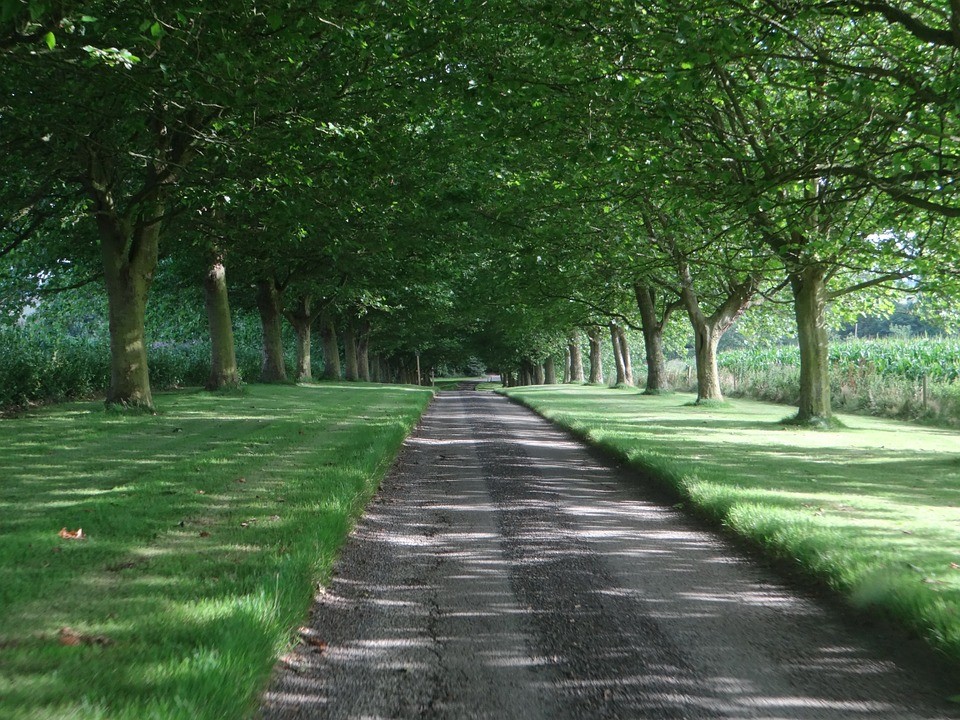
(155,30)
(51,40)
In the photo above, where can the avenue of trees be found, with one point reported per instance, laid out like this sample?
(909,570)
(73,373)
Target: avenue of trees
(419,183)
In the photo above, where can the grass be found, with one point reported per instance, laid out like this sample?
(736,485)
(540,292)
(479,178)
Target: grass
(209,526)
(871,510)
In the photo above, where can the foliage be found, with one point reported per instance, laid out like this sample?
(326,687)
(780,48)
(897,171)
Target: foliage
(195,570)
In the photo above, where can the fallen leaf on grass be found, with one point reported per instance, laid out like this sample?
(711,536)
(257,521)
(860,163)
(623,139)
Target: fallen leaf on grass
(204,533)
(69,636)
(955,566)
(201,492)
(72,534)
(241,480)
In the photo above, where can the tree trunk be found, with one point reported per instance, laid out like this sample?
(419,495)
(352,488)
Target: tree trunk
(809,300)
(351,366)
(269,305)
(566,365)
(363,351)
(129,260)
(550,371)
(709,330)
(526,373)
(618,354)
(302,321)
(705,349)
(538,373)
(576,359)
(625,354)
(652,329)
(223,355)
(331,350)
(595,336)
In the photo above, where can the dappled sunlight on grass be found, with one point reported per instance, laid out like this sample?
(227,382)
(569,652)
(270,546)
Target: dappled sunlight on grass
(872,509)
(208,526)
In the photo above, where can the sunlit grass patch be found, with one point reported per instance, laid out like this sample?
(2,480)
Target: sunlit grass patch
(871,509)
(208,527)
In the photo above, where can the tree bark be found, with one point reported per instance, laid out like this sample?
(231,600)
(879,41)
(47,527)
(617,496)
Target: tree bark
(567,375)
(331,350)
(351,366)
(363,351)
(625,354)
(809,300)
(129,249)
(301,318)
(223,355)
(526,373)
(269,305)
(538,374)
(550,371)
(576,359)
(618,354)
(652,328)
(595,336)
(709,329)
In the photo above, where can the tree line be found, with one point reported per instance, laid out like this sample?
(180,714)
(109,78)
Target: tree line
(442,180)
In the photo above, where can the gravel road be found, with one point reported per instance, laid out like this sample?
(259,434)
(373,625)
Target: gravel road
(504,571)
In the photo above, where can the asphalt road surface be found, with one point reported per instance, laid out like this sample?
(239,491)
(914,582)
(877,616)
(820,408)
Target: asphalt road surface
(504,571)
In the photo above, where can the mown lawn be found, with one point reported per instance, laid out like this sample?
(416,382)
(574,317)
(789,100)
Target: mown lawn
(208,527)
(873,510)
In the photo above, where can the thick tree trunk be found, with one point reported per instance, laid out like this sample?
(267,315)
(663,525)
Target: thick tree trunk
(363,351)
(709,330)
(223,355)
(331,350)
(595,336)
(538,374)
(550,371)
(270,307)
(566,365)
(618,354)
(705,349)
(576,359)
(351,366)
(652,328)
(810,305)
(302,321)
(129,260)
(625,354)
(526,373)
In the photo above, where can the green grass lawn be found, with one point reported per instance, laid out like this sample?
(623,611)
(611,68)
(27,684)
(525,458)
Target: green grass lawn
(872,510)
(208,527)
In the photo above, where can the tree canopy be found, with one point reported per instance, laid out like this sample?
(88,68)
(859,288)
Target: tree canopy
(440,181)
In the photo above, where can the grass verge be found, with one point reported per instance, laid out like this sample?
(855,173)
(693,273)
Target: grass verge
(208,527)
(872,509)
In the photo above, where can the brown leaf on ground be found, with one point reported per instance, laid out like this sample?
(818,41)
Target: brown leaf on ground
(311,638)
(69,636)
(72,534)
(204,533)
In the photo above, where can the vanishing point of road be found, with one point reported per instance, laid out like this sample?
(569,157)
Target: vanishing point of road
(505,571)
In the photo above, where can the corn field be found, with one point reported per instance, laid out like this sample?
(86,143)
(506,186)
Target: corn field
(936,358)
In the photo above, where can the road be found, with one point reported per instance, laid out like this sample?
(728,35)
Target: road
(504,571)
